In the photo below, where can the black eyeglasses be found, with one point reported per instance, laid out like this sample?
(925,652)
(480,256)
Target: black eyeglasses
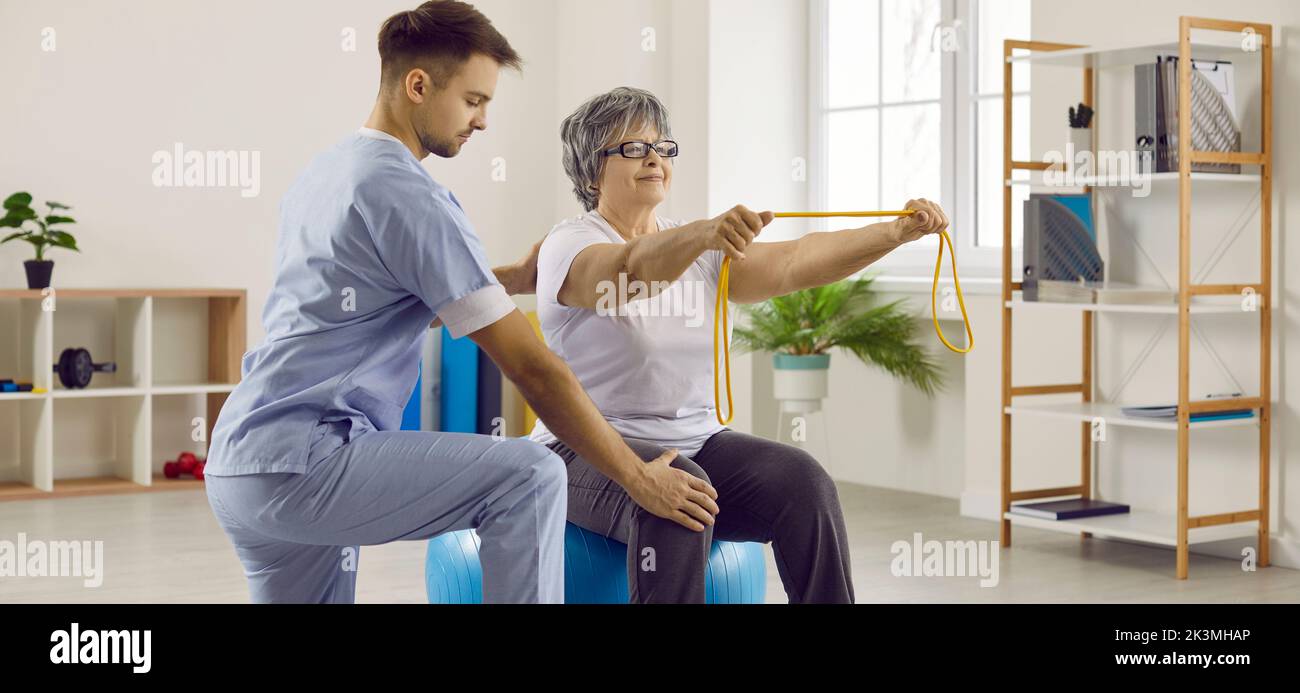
(640,150)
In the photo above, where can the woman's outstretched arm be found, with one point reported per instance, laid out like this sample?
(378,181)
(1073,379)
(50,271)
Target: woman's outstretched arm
(776,269)
(662,256)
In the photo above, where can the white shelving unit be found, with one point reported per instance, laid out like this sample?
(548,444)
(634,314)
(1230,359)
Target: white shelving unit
(1198,38)
(175,350)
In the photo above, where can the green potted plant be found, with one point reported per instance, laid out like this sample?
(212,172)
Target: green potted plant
(800,329)
(18,214)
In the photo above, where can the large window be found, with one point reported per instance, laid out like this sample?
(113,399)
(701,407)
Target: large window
(907,104)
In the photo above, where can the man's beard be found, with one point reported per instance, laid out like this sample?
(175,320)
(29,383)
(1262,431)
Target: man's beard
(443,148)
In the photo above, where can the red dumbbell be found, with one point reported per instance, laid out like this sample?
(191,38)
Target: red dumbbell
(185,463)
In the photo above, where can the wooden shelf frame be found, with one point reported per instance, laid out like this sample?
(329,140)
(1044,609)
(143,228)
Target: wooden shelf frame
(1183,521)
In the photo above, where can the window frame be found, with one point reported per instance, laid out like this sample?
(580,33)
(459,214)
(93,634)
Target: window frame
(958,155)
(969,99)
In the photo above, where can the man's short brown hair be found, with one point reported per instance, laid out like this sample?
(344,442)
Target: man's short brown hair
(438,37)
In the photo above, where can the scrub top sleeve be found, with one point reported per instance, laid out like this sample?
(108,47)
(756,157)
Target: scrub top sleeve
(428,246)
(476,310)
(558,250)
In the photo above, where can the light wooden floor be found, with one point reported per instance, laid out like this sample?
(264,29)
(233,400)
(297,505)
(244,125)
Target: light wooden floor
(167,547)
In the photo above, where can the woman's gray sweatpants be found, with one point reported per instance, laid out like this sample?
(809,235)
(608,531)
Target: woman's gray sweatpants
(767,492)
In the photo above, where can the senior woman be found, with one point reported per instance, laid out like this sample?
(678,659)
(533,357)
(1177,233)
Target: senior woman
(645,358)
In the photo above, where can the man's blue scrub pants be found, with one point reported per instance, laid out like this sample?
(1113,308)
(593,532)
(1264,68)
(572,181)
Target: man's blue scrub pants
(298,536)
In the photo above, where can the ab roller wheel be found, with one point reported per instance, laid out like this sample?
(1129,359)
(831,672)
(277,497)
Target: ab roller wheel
(75,368)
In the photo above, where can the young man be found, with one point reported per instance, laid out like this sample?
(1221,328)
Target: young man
(306,464)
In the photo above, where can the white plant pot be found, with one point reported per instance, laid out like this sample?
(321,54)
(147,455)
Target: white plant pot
(800,383)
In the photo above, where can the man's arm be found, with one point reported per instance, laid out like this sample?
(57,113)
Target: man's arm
(520,277)
(559,400)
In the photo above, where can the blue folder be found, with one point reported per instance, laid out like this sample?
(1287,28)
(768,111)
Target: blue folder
(458,403)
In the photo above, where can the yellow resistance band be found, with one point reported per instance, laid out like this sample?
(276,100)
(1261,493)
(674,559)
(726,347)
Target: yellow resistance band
(720,314)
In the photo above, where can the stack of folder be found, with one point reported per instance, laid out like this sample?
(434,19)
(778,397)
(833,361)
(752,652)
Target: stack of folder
(1170,411)
(1214,118)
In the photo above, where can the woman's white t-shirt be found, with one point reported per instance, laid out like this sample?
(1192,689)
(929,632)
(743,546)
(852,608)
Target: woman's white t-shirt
(646,366)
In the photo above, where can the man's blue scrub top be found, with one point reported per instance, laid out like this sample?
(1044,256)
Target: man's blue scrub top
(370,248)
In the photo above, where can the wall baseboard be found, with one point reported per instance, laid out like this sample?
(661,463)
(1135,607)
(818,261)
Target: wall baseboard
(1283,552)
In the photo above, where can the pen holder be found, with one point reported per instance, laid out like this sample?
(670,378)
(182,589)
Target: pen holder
(1080,140)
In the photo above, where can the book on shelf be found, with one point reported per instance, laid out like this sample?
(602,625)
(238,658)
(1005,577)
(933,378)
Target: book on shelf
(1071,509)
(1170,411)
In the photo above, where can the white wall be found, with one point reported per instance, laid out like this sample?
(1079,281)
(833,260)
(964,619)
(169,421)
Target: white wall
(127,79)
(757,103)
(130,78)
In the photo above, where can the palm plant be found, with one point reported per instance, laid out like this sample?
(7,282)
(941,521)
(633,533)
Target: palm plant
(846,314)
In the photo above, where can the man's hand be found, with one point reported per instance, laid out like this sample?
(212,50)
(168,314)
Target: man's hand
(521,277)
(929,218)
(559,400)
(674,494)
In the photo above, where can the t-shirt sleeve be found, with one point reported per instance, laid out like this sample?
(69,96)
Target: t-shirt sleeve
(712,260)
(426,242)
(560,247)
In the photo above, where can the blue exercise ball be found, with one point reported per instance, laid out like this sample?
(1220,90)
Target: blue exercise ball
(452,574)
(595,570)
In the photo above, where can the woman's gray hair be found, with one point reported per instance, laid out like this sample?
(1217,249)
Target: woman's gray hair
(600,123)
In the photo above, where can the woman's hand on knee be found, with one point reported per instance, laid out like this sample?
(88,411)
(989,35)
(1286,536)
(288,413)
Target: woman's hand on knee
(675,495)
